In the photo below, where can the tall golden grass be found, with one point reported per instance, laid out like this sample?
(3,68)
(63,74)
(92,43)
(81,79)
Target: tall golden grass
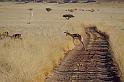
(44,43)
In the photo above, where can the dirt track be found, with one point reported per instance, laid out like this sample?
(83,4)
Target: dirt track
(95,64)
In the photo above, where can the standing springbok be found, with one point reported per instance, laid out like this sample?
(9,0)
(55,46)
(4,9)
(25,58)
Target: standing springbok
(75,37)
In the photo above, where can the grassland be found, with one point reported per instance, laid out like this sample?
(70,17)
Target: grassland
(44,43)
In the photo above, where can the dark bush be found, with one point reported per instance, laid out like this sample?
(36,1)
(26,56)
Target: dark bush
(48,9)
(68,16)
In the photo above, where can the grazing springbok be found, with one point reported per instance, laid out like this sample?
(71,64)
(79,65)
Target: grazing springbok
(4,35)
(16,36)
(75,37)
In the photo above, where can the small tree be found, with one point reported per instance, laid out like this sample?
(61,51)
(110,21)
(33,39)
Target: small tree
(30,15)
(68,16)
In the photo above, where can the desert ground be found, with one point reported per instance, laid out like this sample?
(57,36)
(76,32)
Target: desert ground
(43,41)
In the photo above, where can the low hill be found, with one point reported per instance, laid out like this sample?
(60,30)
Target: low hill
(65,1)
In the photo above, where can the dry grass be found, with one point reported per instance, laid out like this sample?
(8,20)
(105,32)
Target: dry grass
(44,42)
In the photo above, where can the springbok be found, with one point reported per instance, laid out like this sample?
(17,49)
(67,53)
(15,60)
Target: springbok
(76,37)
(4,35)
(16,36)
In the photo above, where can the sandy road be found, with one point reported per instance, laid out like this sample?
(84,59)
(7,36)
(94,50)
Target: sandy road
(95,64)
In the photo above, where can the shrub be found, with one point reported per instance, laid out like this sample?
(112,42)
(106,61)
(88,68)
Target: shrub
(48,9)
(68,16)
